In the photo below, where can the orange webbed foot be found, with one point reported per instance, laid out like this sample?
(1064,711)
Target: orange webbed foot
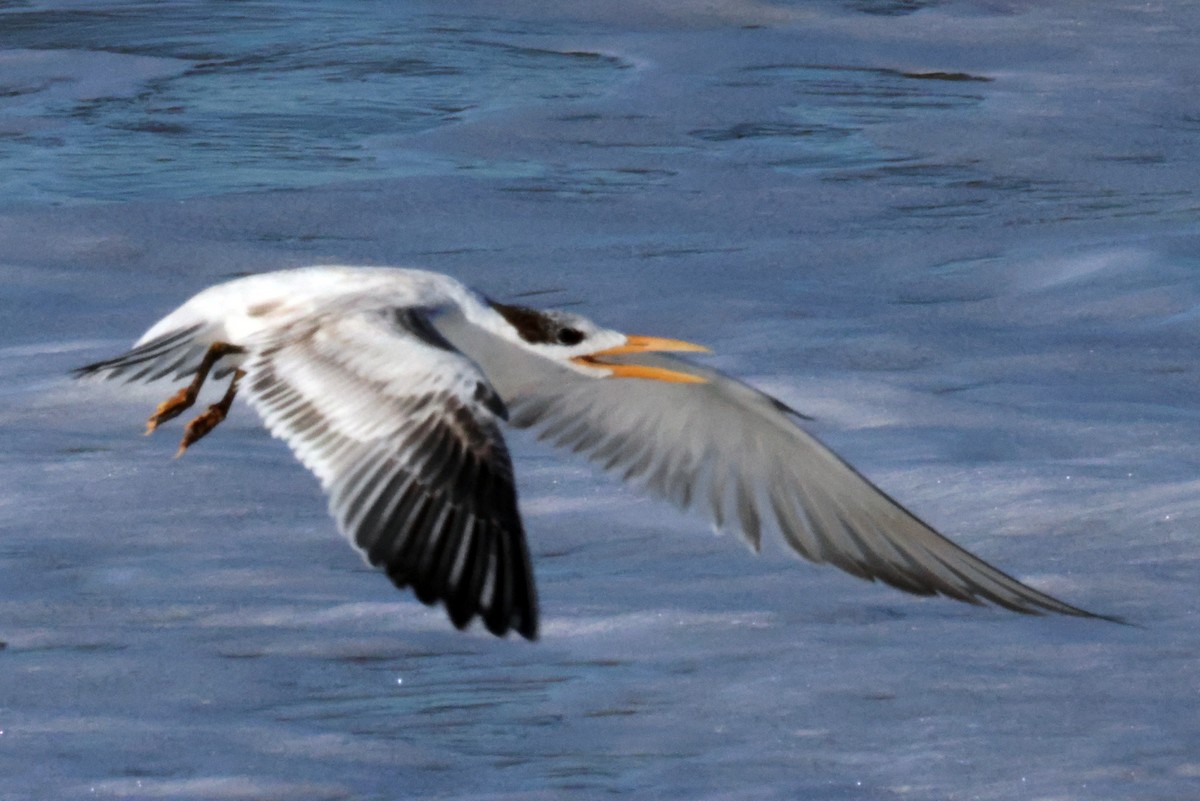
(211,417)
(199,427)
(171,408)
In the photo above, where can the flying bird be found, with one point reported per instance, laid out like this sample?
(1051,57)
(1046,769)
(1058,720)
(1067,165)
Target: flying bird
(391,385)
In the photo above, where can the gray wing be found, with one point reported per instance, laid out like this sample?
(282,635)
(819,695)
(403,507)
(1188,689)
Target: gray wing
(177,354)
(739,456)
(402,432)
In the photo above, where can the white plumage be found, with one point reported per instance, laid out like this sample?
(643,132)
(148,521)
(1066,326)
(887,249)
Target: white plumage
(391,385)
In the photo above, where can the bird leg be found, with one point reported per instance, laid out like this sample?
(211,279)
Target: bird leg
(211,417)
(182,400)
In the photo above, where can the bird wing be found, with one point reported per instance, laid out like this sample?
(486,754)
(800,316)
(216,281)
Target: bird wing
(739,456)
(401,430)
(177,353)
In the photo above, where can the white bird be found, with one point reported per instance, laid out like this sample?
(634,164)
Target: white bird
(391,384)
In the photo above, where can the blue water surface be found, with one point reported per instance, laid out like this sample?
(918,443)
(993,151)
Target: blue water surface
(961,235)
(254,96)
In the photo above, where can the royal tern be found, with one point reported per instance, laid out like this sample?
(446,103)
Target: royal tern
(391,384)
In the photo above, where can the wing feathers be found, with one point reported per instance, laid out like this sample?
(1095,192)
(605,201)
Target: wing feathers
(402,433)
(740,456)
(175,351)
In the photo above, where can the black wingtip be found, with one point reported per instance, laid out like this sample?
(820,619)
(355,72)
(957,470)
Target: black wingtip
(143,354)
(788,410)
(523,621)
(88,369)
(1061,609)
(1120,621)
(527,627)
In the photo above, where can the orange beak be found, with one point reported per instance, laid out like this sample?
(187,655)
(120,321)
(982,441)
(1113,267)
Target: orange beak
(640,344)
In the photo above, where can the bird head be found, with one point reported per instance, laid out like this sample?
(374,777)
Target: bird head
(578,343)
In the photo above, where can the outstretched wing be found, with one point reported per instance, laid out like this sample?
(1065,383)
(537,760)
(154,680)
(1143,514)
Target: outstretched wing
(401,430)
(740,457)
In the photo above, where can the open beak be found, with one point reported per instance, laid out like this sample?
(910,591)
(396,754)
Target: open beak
(640,344)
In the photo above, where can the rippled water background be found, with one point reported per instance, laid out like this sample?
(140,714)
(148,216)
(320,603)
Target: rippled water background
(962,235)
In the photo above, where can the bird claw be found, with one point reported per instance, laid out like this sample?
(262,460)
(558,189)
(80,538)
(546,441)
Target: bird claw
(198,428)
(171,408)
(182,400)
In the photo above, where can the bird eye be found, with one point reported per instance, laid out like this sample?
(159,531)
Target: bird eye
(569,336)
